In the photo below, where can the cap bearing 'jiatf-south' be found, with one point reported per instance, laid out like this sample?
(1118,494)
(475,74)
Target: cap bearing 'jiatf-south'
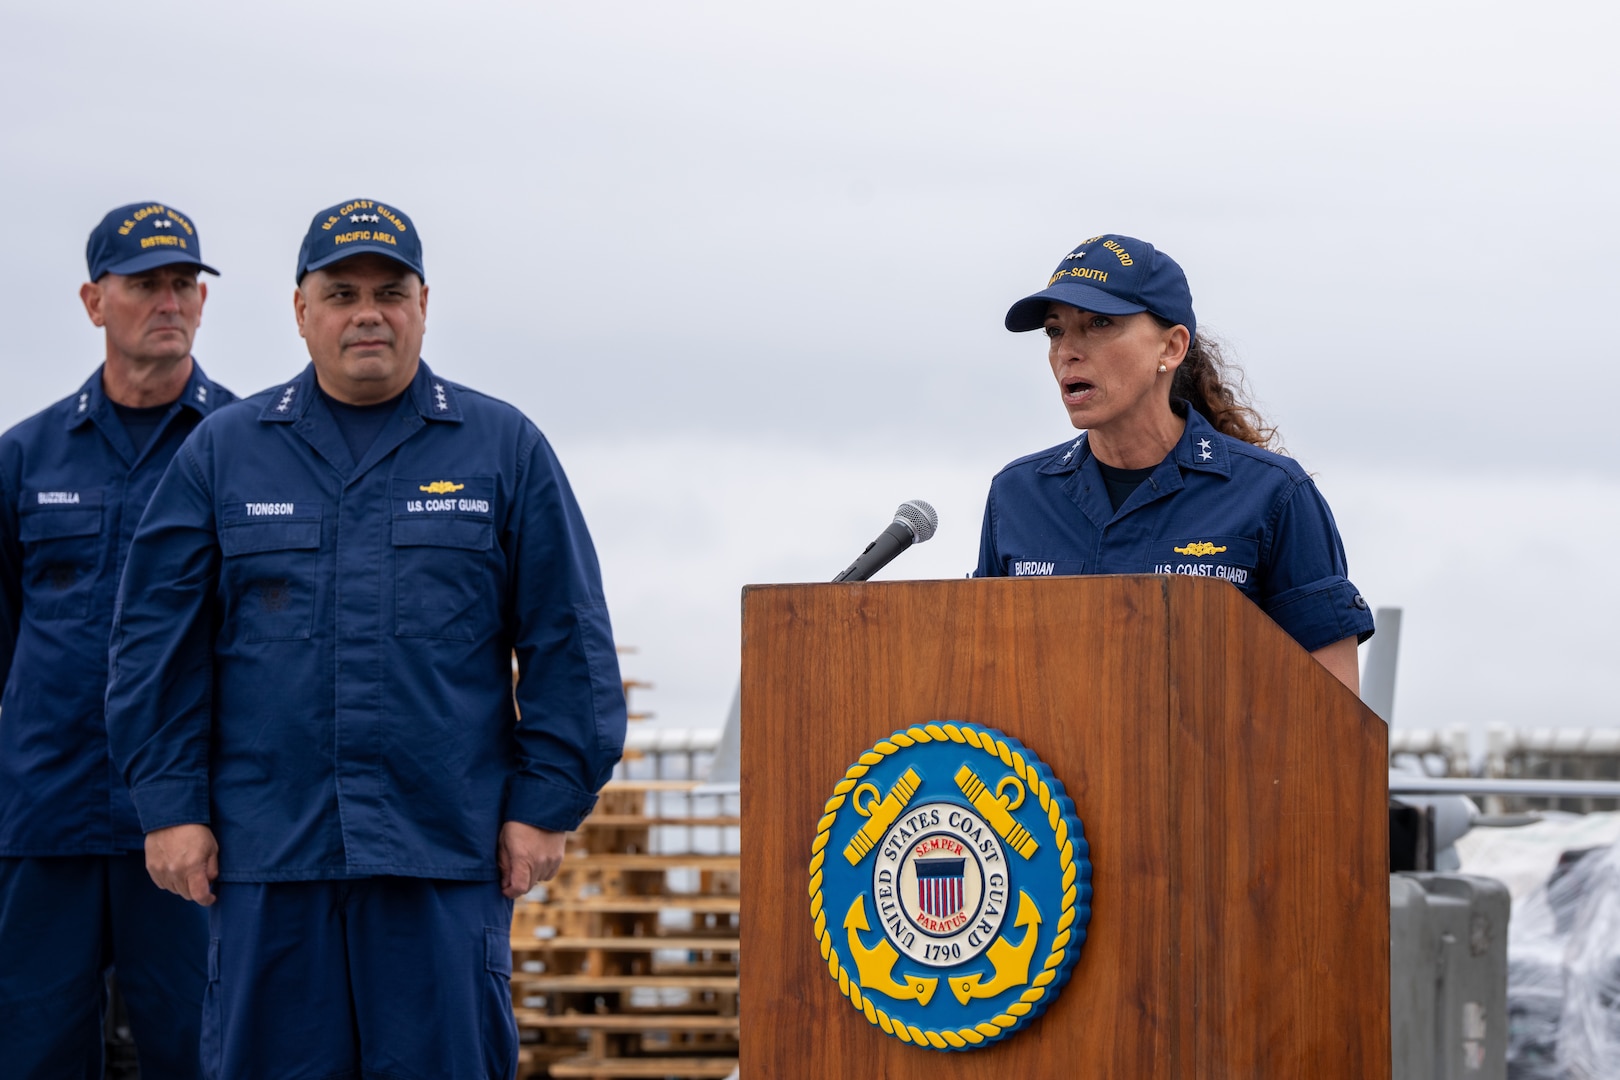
(142,236)
(1112,275)
(357,226)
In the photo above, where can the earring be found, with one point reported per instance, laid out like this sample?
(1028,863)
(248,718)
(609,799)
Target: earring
(1162,368)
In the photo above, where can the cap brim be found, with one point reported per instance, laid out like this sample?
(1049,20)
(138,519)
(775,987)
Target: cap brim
(1030,312)
(364,247)
(151,260)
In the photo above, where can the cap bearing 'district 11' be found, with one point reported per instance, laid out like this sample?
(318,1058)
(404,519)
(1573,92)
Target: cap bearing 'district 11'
(1112,275)
(356,227)
(142,236)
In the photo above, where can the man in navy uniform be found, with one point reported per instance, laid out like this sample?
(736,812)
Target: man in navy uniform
(311,693)
(75,897)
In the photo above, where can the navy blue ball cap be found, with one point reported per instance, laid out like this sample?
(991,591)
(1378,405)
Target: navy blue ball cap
(143,236)
(357,226)
(1112,275)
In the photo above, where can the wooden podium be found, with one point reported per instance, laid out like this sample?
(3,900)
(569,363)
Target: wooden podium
(1234,794)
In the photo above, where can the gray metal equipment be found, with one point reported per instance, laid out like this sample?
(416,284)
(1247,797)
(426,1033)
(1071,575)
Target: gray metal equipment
(1378,684)
(1448,977)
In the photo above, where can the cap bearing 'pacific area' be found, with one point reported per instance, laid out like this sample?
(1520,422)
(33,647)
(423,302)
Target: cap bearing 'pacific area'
(142,236)
(357,226)
(1112,275)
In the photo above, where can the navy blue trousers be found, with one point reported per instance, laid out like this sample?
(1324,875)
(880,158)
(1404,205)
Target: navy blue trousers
(383,977)
(63,922)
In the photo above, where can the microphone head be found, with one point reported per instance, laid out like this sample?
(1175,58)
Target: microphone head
(919,517)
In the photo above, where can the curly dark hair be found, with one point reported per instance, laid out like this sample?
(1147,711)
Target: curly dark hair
(1215,386)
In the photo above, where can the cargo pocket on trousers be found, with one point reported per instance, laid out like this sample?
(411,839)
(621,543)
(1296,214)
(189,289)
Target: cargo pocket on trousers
(211,1046)
(500,1027)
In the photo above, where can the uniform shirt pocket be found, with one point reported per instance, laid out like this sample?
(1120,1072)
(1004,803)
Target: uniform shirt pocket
(1232,558)
(62,550)
(443,531)
(269,574)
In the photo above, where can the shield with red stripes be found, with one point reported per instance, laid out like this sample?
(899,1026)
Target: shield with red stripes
(939,886)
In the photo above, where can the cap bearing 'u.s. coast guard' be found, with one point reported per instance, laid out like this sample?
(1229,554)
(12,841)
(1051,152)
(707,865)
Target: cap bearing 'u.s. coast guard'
(1112,275)
(357,226)
(142,236)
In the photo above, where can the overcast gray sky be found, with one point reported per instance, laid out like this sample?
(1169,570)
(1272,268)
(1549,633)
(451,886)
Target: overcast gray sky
(746,264)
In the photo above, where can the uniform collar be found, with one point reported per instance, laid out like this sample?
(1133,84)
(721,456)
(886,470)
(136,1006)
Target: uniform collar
(1067,459)
(1200,448)
(432,397)
(201,396)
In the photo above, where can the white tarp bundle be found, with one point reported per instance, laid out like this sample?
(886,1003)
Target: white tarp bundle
(1563,942)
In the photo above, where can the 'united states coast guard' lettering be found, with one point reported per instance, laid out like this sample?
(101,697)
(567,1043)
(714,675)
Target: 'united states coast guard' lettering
(445,487)
(949,854)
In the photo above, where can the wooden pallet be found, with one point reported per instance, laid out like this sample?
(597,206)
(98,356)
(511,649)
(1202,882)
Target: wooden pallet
(649,905)
(634,1021)
(617,972)
(620,821)
(596,1068)
(629,944)
(594,984)
(615,861)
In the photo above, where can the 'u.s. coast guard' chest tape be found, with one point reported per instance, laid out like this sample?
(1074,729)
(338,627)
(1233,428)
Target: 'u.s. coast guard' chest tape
(950,885)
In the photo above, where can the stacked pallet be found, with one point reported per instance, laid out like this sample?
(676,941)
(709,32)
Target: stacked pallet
(625,965)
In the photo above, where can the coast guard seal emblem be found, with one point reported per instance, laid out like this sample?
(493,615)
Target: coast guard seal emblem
(950,885)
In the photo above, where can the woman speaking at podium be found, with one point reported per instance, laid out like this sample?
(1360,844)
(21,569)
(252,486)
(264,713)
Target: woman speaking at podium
(1171,473)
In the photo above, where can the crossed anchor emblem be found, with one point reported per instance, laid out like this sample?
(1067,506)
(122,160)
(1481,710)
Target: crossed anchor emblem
(1009,963)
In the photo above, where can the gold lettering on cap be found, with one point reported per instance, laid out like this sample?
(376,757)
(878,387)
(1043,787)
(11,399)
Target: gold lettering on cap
(1079,272)
(1123,255)
(392,217)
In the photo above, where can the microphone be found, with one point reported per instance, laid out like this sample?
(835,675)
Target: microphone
(914,522)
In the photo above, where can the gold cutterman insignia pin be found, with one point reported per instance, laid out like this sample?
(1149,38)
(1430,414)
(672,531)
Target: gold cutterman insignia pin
(445,487)
(1202,547)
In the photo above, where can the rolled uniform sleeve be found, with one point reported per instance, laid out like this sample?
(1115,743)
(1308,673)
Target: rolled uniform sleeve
(571,705)
(1307,589)
(159,713)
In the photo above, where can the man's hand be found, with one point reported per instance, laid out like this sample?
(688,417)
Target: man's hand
(184,859)
(527,855)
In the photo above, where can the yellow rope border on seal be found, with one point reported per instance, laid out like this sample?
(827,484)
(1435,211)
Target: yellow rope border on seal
(960,1037)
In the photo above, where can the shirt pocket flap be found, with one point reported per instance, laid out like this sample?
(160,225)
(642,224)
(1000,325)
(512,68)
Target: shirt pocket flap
(57,524)
(447,532)
(247,537)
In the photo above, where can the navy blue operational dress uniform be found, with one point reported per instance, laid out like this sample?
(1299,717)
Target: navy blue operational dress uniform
(313,656)
(74,893)
(1215,506)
